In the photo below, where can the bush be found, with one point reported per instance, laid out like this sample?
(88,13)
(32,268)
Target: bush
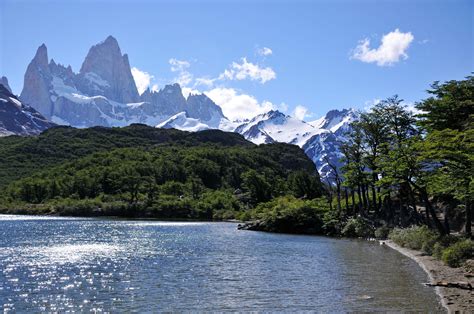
(382,232)
(458,253)
(291,215)
(357,228)
(414,237)
(442,243)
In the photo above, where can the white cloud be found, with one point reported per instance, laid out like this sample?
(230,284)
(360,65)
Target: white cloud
(180,66)
(237,106)
(204,81)
(186,91)
(142,79)
(244,70)
(265,51)
(371,103)
(300,112)
(393,48)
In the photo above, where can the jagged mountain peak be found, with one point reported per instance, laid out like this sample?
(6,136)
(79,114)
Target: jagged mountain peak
(41,56)
(4,82)
(105,71)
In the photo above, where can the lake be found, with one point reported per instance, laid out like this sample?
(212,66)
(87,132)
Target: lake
(60,264)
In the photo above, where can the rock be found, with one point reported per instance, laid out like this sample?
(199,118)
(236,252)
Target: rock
(37,82)
(106,72)
(4,82)
(17,118)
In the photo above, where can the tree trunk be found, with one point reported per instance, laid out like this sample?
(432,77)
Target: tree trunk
(429,207)
(347,200)
(374,197)
(360,198)
(338,187)
(353,201)
(446,219)
(468,218)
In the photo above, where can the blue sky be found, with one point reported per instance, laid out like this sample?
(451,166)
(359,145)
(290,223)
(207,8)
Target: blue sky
(319,60)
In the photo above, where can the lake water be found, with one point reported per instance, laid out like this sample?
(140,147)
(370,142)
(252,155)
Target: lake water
(59,264)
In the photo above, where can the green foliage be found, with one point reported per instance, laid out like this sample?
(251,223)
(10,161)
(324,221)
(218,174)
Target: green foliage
(413,238)
(357,228)
(441,244)
(382,232)
(180,178)
(291,215)
(458,253)
(450,107)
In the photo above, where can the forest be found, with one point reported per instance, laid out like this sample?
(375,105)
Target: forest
(141,171)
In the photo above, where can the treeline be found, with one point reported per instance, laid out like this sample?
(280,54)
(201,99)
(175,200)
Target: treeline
(404,167)
(207,181)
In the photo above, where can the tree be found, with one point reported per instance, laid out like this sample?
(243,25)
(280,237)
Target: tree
(304,185)
(448,120)
(257,185)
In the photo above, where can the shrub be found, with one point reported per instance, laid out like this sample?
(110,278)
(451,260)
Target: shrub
(442,243)
(414,237)
(382,232)
(458,253)
(291,215)
(357,227)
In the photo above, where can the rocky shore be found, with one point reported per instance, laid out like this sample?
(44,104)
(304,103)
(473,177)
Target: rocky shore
(457,298)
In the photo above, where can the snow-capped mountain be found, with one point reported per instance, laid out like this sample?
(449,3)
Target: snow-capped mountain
(17,118)
(320,139)
(182,121)
(275,126)
(104,93)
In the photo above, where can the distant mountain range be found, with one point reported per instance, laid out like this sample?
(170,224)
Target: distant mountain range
(104,93)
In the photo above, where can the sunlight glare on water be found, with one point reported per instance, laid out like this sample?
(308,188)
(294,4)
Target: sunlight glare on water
(74,264)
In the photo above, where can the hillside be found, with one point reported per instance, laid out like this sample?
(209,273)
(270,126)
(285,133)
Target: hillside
(144,171)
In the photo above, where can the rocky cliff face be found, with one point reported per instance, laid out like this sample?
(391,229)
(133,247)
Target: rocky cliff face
(104,92)
(106,72)
(37,83)
(17,118)
(4,82)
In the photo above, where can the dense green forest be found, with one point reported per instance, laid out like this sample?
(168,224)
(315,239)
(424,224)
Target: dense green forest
(139,171)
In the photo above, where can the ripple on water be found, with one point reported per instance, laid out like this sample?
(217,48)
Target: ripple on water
(49,264)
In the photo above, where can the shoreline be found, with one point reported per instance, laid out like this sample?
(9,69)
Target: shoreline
(454,300)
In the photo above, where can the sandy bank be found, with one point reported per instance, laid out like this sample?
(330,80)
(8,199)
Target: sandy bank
(455,300)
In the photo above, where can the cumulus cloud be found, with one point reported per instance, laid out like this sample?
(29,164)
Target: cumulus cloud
(300,112)
(265,51)
(142,79)
(238,106)
(393,48)
(204,81)
(248,70)
(180,67)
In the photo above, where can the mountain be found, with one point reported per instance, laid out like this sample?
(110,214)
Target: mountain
(182,121)
(17,118)
(275,126)
(106,72)
(4,82)
(320,139)
(104,93)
